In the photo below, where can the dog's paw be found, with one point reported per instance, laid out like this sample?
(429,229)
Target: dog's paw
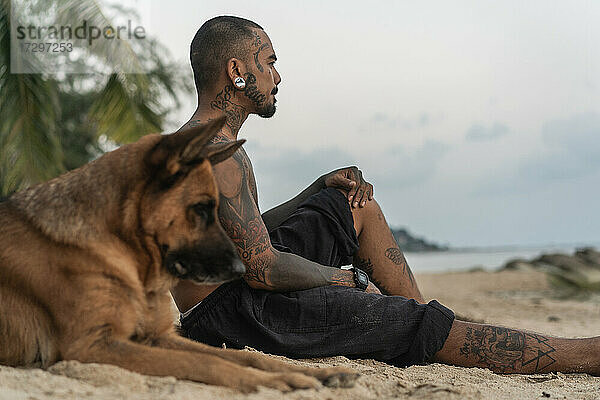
(334,376)
(341,380)
(288,381)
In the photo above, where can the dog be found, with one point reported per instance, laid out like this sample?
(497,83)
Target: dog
(87,261)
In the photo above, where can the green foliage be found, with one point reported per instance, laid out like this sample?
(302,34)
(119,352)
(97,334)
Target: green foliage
(49,125)
(29,147)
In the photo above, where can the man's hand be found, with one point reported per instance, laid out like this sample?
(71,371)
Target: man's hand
(351,180)
(372,288)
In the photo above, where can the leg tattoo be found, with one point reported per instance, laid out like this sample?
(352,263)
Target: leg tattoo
(508,350)
(397,258)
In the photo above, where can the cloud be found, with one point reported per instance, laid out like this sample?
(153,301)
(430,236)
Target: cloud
(569,150)
(384,122)
(281,174)
(479,133)
(405,167)
(572,149)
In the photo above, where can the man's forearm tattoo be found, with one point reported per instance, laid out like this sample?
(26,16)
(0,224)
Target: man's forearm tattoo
(342,278)
(258,272)
(367,266)
(396,256)
(508,350)
(249,236)
(235,113)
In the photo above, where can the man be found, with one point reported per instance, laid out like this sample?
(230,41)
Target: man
(294,299)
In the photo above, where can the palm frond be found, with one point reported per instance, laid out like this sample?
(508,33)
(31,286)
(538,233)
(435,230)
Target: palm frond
(125,111)
(30,151)
(117,54)
(38,139)
(121,113)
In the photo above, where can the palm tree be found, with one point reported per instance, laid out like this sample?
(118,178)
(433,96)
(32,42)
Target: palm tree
(49,124)
(29,148)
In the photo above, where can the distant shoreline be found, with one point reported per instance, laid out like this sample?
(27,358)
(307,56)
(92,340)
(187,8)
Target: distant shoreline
(505,248)
(484,258)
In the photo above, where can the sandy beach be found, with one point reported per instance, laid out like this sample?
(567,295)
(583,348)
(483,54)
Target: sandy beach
(522,299)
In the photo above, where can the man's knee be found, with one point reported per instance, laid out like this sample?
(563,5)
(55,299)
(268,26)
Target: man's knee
(369,214)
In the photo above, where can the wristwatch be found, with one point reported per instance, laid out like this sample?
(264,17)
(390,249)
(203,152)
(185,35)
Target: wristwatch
(361,279)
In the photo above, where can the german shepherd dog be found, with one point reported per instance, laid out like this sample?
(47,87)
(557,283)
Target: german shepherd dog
(87,261)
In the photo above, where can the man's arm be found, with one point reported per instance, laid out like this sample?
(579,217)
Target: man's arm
(266,268)
(349,179)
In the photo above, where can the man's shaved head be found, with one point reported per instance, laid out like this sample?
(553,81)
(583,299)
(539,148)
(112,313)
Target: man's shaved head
(218,40)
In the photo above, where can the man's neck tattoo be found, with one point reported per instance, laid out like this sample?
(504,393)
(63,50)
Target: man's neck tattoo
(235,114)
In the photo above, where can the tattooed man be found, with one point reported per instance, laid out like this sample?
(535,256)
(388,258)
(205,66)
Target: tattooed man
(294,299)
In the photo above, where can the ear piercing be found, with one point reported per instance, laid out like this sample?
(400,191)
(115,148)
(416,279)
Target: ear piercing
(239,82)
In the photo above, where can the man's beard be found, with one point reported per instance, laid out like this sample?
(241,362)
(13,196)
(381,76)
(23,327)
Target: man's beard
(267,111)
(259,99)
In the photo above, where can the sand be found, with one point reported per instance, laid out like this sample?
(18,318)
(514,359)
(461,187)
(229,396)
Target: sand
(510,298)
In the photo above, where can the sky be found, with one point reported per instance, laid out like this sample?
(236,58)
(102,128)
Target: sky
(478,122)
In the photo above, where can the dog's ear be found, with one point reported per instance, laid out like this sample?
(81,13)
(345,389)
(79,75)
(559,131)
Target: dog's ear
(195,148)
(185,146)
(221,151)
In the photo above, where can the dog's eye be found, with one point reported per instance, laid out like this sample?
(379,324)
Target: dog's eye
(201,211)
(204,210)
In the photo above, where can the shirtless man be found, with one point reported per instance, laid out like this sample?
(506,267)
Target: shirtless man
(294,299)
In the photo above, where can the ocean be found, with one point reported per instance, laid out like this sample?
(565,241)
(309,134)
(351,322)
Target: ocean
(486,258)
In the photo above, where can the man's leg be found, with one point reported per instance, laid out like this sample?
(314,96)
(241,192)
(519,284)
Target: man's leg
(507,350)
(500,349)
(321,322)
(379,254)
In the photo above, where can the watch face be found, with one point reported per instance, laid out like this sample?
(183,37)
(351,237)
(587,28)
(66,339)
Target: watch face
(362,277)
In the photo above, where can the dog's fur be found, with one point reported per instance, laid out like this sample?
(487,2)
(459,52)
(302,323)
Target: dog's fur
(87,261)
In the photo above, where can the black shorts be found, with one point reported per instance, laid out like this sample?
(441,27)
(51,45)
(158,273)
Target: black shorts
(324,321)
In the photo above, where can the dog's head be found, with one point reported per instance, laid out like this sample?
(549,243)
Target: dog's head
(179,206)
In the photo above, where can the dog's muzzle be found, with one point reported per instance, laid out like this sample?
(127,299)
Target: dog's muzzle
(204,268)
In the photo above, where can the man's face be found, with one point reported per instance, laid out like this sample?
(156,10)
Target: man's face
(262,78)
